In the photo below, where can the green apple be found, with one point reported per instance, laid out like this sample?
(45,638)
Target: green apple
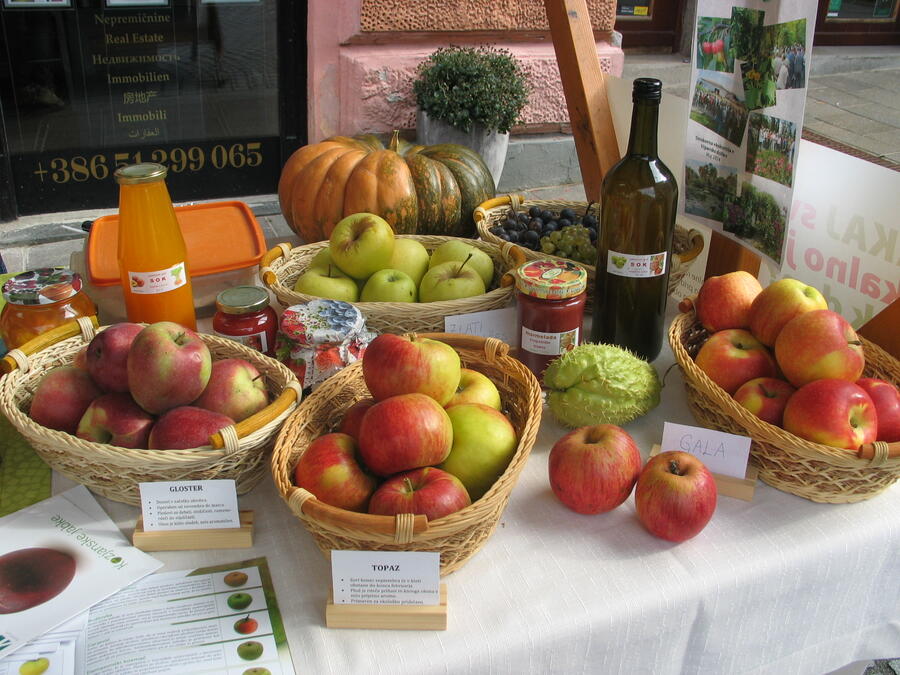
(239,600)
(484,442)
(34,667)
(321,259)
(327,282)
(459,250)
(410,257)
(257,671)
(361,244)
(250,650)
(475,387)
(449,281)
(389,285)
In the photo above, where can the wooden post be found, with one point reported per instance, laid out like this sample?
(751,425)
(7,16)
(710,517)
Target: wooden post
(726,255)
(882,329)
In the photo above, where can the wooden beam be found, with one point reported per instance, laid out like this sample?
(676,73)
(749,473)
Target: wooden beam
(882,329)
(726,255)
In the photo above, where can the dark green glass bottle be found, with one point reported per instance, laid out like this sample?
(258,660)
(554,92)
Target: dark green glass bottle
(638,200)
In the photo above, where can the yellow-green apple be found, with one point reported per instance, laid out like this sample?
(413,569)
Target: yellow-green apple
(394,364)
(168,366)
(352,419)
(724,301)
(250,651)
(832,412)
(593,469)
(186,426)
(484,442)
(107,355)
(457,250)
(361,244)
(675,495)
(404,432)
(389,285)
(765,397)
(733,356)
(411,257)
(426,491)
(246,625)
(330,469)
(819,344)
(778,303)
(321,259)
(475,387)
(31,576)
(450,281)
(239,600)
(61,397)
(886,398)
(257,671)
(236,389)
(115,418)
(34,666)
(329,282)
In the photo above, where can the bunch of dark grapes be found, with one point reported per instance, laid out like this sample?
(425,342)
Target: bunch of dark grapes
(566,234)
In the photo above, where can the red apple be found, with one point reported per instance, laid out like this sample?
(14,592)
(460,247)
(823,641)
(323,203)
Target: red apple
(115,418)
(61,397)
(246,625)
(594,469)
(352,419)
(235,388)
(475,387)
(427,491)
(186,426)
(675,495)
(886,398)
(778,303)
(395,365)
(31,576)
(330,470)
(733,356)
(724,301)
(832,412)
(107,355)
(817,345)
(80,358)
(404,432)
(765,397)
(168,366)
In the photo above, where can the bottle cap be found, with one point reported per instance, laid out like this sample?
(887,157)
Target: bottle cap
(551,279)
(42,286)
(134,174)
(242,300)
(646,89)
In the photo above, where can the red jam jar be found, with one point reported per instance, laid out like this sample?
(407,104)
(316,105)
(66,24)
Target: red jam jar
(243,315)
(550,299)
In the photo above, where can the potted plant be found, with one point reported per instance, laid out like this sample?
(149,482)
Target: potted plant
(471,96)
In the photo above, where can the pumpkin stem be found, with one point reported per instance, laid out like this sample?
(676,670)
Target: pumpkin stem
(395,141)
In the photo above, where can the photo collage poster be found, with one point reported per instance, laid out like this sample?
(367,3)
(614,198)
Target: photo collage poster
(749,68)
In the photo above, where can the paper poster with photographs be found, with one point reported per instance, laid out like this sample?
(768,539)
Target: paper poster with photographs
(748,94)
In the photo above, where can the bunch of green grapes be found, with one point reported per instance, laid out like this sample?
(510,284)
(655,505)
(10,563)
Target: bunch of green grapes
(573,242)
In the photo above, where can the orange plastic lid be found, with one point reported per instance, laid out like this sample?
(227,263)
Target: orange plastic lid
(219,236)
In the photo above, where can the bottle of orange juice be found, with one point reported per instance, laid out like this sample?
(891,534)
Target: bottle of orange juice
(152,255)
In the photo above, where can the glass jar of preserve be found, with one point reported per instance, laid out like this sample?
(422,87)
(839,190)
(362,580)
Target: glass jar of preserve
(243,314)
(550,299)
(39,300)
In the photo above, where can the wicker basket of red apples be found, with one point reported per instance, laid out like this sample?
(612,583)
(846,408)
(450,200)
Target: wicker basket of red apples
(132,403)
(819,401)
(414,448)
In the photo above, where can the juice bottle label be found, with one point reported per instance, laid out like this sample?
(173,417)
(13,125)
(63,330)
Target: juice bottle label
(549,344)
(639,266)
(255,341)
(158,281)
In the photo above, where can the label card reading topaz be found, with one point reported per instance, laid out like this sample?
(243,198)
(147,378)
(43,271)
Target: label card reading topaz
(385,577)
(190,505)
(722,453)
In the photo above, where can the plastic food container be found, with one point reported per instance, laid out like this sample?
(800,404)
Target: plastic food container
(224,244)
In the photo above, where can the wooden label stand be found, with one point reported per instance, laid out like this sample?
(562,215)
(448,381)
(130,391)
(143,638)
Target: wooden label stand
(388,617)
(195,540)
(739,488)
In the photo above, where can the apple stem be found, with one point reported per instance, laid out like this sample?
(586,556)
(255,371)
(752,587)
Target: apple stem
(674,468)
(408,483)
(463,264)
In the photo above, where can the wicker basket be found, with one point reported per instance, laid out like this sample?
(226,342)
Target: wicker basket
(281,266)
(687,244)
(237,452)
(811,470)
(456,536)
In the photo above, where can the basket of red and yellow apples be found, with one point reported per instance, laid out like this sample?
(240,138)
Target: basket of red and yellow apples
(819,402)
(414,448)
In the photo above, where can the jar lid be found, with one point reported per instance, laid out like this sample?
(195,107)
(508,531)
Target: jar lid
(242,300)
(42,286)
(320,322)
(551,279)
(133,174)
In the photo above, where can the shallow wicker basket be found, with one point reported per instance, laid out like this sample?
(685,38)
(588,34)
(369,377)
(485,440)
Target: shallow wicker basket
(687,244)
(115,472)
(811,470)
(281,266)
(457,536)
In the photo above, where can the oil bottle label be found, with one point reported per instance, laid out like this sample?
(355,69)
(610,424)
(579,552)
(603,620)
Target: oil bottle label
(641,266)
(159,281)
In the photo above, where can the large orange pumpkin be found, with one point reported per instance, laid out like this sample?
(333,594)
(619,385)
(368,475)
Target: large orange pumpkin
(418,189)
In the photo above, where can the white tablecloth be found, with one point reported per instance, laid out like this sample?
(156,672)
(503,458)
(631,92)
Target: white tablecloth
(776,585)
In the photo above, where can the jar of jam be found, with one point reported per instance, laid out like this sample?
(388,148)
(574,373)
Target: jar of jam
(39,300)
(550,298)
(243,314)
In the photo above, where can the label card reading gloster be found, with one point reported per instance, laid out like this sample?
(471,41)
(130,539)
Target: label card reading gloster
(190,505)
(722,453)
(385,577)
